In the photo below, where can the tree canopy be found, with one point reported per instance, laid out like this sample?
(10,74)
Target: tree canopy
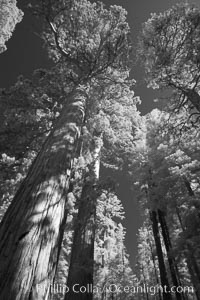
(169,48)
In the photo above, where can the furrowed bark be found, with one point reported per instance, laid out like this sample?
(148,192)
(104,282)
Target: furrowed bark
(30,229)
(161,263)
(152,198)
(172,264)
(82,256)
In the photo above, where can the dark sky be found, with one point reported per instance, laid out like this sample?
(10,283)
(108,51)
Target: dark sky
(25,54)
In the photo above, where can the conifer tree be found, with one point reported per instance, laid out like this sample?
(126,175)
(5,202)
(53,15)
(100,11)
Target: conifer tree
(170,154)
(118,102)
(38,209)
(112,267)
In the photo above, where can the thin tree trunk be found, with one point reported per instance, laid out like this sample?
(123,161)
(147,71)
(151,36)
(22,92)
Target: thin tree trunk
(191,193)
(171,261)
(151,196)
(179,218)
(82,255)
(154,265)
(161,263)
(191,262)
(145,283)
(195,281)
(30,230)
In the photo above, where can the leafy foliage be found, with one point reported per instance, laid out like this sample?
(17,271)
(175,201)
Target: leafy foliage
(10,16)
(167,180)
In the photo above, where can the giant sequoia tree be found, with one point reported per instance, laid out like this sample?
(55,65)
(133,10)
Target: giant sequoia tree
(58,128)
(112,129)
(88,43)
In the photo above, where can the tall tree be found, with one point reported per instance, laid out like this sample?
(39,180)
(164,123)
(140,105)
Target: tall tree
(81,267)
(168,246)
(147,265)
(111,259)
(88,42)
(118,104)
(39,220)
(171,153)
(162,267)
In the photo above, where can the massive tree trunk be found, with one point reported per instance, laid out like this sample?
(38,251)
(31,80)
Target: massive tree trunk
(168,246)
(82,255)
(161,263)
(30,229)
